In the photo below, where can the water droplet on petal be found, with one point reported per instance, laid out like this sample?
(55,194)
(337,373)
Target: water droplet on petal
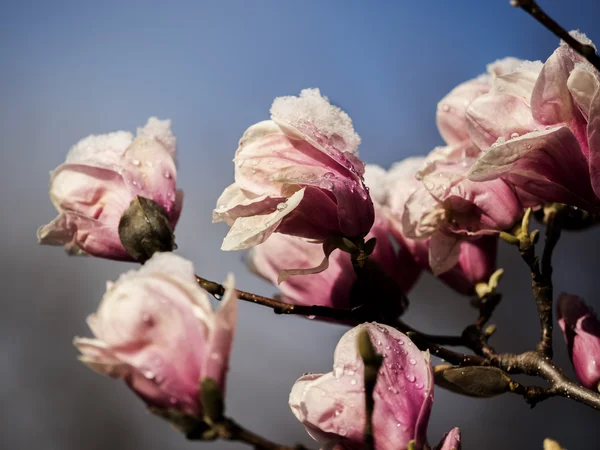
(353,382)
(167,174)
(445,108)
(311,317)
(514,135)
(281,206)
(410,377)
(135,162)
(412,361)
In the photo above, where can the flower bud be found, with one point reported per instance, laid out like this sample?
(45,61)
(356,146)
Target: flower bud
(581,329)
(144,229)
(482,382)
(97,183)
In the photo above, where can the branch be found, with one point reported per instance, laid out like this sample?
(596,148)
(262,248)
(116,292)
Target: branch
(587,51)
(353,316)
(541,279)
(534,364)
(278,307)
(229,430)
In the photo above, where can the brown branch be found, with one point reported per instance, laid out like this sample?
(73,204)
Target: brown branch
(587,51)
(229,430)
(534,364)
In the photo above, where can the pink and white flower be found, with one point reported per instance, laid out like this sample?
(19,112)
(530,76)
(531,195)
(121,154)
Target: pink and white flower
(581,329)
(297,174)
(537,128)
(100,177)
(332,406)
(332,287)
(155,329)
(459,259)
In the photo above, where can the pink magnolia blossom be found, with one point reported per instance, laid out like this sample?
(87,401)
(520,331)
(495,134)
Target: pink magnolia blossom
(155,328)
(297,174)
(451,110)
(538,130)
(332,406)
(333,286)
(581,329)
(460,259)
(451,441)
(100,177)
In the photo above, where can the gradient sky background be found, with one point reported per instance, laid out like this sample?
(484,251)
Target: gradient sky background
(72,68)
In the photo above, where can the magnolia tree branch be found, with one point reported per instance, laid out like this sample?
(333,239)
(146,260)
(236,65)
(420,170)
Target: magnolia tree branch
(587,51)
(232,431)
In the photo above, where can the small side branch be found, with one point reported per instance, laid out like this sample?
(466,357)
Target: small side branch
(587,51)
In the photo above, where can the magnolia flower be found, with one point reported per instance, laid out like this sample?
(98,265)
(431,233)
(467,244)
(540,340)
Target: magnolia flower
(100,177)
(155,328)
(332,406)
(538,130)
(581,329)
(453,238)
(297,174)
(451,110)
(476,260)
(451,441)
(332,287)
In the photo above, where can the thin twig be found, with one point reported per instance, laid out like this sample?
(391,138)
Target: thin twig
(587,51)
(230,430)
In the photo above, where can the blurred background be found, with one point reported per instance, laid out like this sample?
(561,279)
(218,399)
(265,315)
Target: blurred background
(72,68)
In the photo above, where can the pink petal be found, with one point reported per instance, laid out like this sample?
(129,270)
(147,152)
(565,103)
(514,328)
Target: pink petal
(583,84)
(444,251)
(451,441)
(499,115)
(451,109)
(249,231)
(593,133)
(548,164)
(221,336)
(581,329)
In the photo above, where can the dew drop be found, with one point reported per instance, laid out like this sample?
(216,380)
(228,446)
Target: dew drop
(445,108)
(167,175)
(410,377)
(135,162)
(514,135)
(281,206)
(412,361)
(353,382)
(311,317)
(351,372)
(255,162)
